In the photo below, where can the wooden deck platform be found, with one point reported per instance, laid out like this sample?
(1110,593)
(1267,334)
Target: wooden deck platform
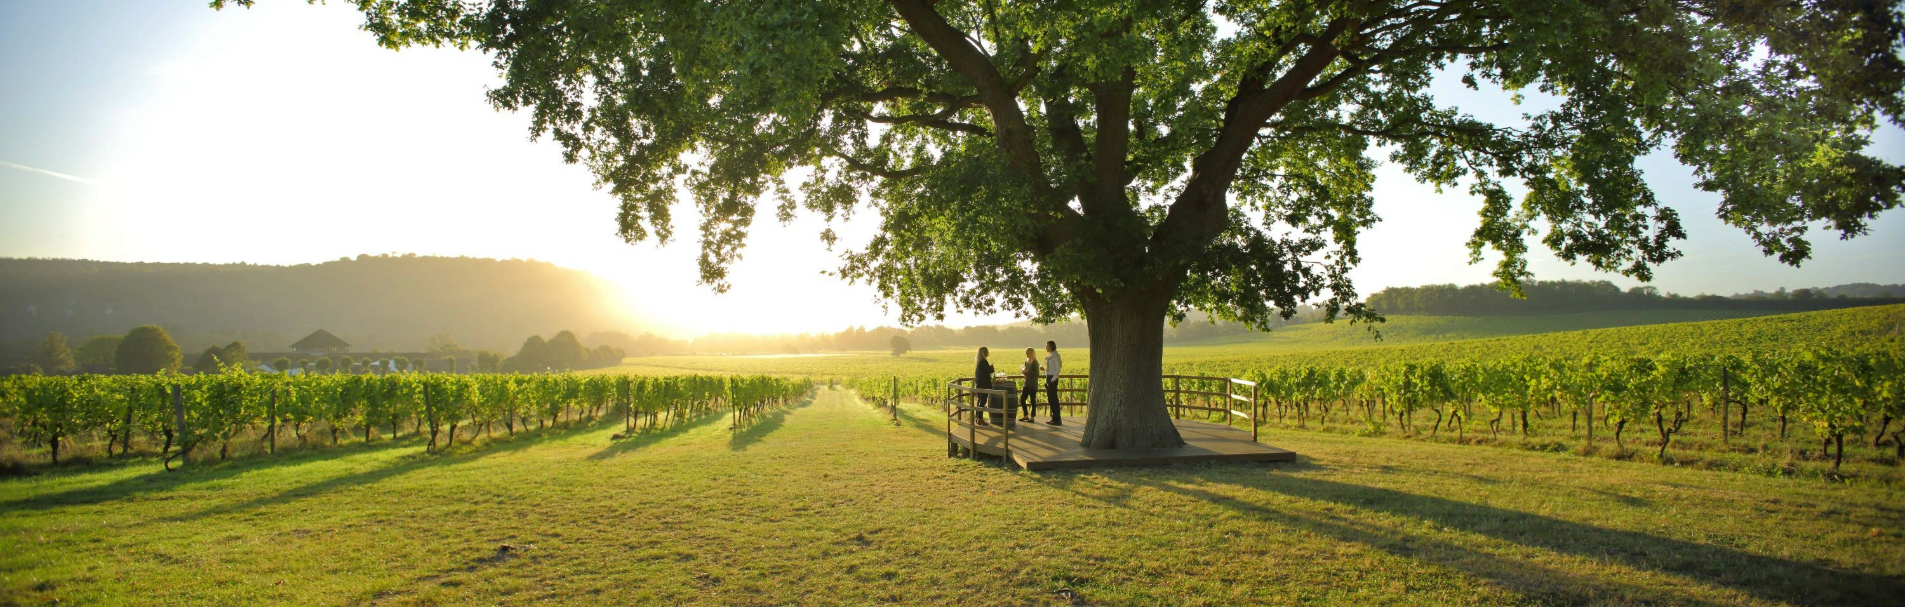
(1036,446)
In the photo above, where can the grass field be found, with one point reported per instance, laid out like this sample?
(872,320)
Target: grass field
(1402,337)
(1404,330)
(828,503)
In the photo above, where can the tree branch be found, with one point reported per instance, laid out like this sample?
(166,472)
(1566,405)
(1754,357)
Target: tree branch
(1200,211)
(1112,145)
(1000,98)
(940,120)
(876,171)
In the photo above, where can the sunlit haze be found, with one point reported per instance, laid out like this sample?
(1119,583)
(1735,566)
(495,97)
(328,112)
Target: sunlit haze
(135,131)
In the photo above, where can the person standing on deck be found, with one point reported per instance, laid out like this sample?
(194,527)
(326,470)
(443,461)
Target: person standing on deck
(982,379)
(1052,365)
(1028,394)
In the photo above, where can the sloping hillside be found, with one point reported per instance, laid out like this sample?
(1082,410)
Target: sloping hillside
(385,302)
(1856,328)
(1411,329)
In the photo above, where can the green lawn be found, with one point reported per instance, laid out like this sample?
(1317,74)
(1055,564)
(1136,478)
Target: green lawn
(829,503)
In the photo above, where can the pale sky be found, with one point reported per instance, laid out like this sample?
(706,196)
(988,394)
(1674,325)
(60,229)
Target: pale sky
(149,130)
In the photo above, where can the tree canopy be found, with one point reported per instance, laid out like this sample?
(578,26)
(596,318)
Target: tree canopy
(1138,159)
(51,355)
(147,349)
(97,353)
(1081,147)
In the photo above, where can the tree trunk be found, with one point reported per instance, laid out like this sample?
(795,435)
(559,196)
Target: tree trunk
(1127,408)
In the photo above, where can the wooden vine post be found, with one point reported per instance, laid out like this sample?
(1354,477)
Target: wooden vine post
(430,416)
(178,422)
(132,399)
(1726,401)
(1590,404)
(272,432)
(628,406)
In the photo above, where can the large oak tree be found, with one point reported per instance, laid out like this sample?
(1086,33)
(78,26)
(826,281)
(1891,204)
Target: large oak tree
(1133,160)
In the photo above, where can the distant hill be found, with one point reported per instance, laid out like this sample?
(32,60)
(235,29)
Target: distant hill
(373,302)
(1855,290)
(1564,296)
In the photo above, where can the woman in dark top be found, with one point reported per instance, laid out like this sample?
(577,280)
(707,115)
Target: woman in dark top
(1028,393)
(982,379)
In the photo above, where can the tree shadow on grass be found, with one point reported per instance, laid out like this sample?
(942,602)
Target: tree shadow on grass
(400,466)
(1765,577)
(645,438)
(933,423)
(160,480)
(765,425)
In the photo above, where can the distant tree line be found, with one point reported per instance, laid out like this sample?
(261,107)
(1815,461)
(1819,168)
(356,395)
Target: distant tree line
(144,349)
(562,352)
(1561,296)
(149,349)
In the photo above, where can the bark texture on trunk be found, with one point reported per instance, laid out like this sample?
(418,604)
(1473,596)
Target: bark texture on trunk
(1127,409)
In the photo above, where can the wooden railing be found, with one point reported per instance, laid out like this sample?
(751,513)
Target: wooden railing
(1202,395)
(958,413)
(1183,393)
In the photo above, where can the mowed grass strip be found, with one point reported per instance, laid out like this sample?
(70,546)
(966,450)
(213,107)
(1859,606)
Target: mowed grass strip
(829,503)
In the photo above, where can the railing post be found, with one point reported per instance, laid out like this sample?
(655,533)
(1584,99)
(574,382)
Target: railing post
(972,426)
(1177,396)
(945,405)
(1256,413)
(1229,397)
(1005,432)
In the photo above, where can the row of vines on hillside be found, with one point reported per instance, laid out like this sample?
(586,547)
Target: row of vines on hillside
(1835,393)
(181,413)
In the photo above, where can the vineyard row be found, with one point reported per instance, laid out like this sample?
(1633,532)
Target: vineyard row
(184,413)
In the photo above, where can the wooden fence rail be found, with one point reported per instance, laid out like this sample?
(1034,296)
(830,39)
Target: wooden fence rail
(1203,393)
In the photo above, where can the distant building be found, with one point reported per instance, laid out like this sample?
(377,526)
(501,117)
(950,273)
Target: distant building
(321,342)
